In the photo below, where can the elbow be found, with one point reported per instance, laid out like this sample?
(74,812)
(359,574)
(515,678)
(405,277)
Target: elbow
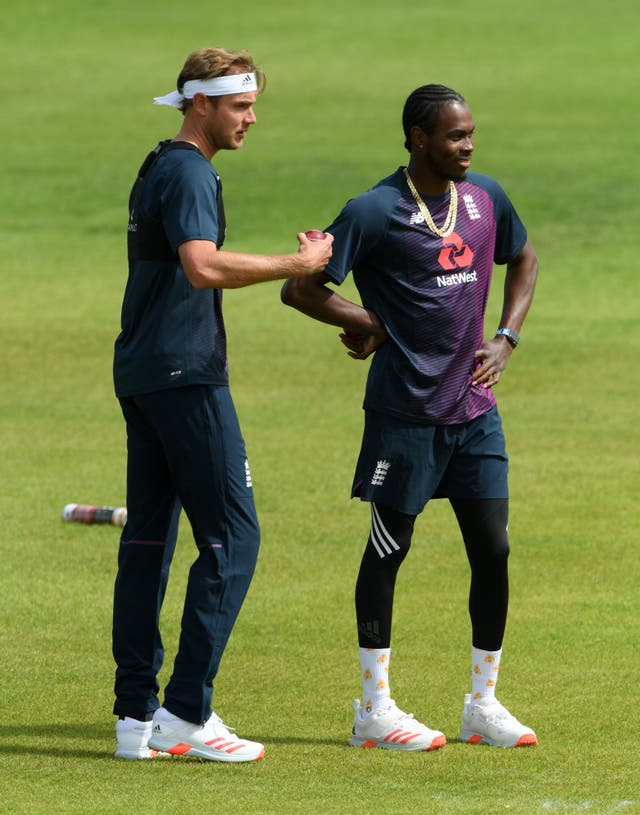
(525,266)
(532,259)
(287,293)
(533,271)
(197,259)
(303,293)
(202,278)
(200,282)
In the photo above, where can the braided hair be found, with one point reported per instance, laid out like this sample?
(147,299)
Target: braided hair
(422,108)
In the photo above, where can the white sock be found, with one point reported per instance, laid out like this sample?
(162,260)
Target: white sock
(374,672)
(484,674)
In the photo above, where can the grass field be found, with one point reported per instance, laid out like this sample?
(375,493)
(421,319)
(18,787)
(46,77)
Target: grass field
(553,87)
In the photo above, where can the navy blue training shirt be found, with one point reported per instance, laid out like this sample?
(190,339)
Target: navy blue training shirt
(172,334)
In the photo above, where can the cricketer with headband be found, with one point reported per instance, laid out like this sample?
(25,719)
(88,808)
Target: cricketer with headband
(184,445)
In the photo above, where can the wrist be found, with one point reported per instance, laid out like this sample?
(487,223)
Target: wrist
(511,336)
(377,328)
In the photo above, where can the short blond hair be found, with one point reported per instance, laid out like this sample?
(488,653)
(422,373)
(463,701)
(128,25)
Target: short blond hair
(208,63)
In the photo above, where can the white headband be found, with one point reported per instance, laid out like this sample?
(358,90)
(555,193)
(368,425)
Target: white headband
(218,86)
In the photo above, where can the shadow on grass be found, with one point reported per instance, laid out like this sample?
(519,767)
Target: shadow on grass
(42,749)
(84,730)
(40,736)
(291,740)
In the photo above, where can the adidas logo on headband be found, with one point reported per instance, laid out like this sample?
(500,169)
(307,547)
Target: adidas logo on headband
(217,86)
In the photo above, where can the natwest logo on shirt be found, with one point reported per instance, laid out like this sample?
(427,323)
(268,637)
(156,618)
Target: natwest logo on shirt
(455,254)
(457,278)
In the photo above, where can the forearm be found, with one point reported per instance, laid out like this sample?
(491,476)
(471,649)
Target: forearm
(207,267)
(312,297)
(232,270)
(519,288)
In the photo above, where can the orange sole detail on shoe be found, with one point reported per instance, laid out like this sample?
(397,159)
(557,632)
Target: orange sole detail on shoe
(528,740)
(179,749)
(369,744)
(475,739)
(438,743)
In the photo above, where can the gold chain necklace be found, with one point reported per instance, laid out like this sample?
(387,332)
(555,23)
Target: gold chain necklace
(450,221)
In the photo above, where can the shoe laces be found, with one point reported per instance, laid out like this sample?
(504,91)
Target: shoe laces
(496,712)
(216,722)
(393,708)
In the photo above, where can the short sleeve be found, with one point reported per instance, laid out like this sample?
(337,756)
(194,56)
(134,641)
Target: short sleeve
(356,231)
(511,233)
(189,204)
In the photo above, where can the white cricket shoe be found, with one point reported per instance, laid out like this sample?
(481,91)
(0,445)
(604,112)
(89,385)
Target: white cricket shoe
(392,729)
(486,721)
(132,737)
(211,741)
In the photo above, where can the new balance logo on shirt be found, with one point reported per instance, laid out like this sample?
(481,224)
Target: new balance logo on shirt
(472,211)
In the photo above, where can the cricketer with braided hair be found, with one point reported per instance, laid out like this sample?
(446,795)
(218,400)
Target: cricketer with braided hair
(422,245)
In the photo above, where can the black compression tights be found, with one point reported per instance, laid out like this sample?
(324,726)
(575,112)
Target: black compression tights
(484,529)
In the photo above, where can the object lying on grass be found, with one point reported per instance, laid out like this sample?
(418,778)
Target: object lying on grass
(89,514)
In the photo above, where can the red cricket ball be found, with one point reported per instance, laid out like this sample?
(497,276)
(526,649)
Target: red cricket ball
(315,235)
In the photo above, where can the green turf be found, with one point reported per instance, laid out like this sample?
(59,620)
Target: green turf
(553,87)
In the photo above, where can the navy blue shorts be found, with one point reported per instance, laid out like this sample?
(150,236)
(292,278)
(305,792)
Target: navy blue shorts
(403,465)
